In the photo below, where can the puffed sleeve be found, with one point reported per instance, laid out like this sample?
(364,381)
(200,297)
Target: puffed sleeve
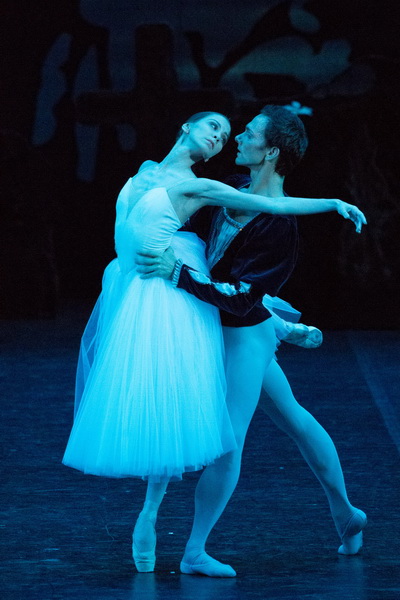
(260,266)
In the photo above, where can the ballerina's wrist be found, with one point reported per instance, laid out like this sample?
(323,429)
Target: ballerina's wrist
(337,204)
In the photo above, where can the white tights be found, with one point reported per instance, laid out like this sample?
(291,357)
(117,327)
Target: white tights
(250,364)
(313,441)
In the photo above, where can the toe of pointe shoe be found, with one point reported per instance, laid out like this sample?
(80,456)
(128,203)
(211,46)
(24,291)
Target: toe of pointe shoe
(210,567)
(352,537)
(144,561)
(305,336)
(351,546)
(315,337)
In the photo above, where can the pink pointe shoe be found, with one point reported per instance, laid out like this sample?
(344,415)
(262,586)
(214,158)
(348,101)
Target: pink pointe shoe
(305,336)
(144,559)
(352,537)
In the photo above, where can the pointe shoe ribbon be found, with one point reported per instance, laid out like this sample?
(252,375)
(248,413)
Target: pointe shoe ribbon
(207,566)
(352,537)
(305,336)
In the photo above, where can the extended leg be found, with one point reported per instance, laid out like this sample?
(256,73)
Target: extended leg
(248,349)
(319,451)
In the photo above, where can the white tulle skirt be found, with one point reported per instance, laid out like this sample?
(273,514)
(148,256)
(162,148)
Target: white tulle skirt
(150,383)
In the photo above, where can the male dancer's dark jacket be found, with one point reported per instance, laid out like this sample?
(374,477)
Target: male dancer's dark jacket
(258,261)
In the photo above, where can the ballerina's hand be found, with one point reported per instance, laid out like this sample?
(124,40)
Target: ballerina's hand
(150,264)
(349,211)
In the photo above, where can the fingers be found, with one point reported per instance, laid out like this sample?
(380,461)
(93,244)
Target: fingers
(357,216)
(358,225)
(146,270)
(144,259)
(148,254)
(351,212)
(361,221)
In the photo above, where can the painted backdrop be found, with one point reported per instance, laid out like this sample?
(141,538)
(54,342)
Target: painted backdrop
(91,88)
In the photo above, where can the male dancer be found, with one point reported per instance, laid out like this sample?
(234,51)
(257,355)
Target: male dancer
(254,254)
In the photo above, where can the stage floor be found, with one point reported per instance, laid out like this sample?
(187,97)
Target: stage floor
(67,536)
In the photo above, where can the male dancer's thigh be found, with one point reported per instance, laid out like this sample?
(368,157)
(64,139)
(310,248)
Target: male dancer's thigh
(248,351)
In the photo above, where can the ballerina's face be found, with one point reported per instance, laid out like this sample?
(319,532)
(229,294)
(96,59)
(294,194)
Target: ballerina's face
(207,136)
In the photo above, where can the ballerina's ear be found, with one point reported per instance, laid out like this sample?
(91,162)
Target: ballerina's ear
(186,127)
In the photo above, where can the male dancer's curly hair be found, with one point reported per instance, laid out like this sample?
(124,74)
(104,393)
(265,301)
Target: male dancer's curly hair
(285,131)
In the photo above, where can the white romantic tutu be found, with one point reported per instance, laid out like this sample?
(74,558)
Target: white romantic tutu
(150,383)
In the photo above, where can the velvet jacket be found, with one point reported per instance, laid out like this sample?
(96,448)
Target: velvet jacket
(258,261)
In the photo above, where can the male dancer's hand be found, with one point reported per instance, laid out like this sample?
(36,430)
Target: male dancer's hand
(150,264)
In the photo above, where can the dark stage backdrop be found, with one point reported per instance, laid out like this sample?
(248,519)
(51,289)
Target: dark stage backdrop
(89,89)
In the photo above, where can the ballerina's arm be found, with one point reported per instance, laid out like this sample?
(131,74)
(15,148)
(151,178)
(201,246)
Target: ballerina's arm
(210,192)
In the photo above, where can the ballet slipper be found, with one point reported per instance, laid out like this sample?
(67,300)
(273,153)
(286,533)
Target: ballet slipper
(352,537)
(305,336)
(206,565)
(144,560)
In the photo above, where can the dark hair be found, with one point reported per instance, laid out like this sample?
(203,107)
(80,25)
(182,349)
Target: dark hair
(198,117)
(285,131)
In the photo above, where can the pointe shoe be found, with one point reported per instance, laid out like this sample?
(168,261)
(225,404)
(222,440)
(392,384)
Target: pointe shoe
(206,565)
(352,537)
(305,336)
(144,560)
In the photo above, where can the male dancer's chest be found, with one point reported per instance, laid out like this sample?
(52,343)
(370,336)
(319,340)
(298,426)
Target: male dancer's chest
(228,244)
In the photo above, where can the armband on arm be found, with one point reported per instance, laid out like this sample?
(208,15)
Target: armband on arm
(237,298)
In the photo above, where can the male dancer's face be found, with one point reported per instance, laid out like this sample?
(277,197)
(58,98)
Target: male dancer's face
(251,143)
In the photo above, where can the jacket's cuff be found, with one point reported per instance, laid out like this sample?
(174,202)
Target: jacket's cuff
(176,273)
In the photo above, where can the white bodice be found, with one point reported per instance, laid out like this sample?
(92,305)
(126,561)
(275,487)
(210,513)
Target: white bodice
(145,224)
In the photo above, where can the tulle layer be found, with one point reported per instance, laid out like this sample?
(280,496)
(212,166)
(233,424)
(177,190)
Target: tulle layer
(151,380)
(283,315)
(283,309)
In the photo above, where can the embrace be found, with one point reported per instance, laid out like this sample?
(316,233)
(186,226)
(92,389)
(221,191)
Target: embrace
(155,396)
